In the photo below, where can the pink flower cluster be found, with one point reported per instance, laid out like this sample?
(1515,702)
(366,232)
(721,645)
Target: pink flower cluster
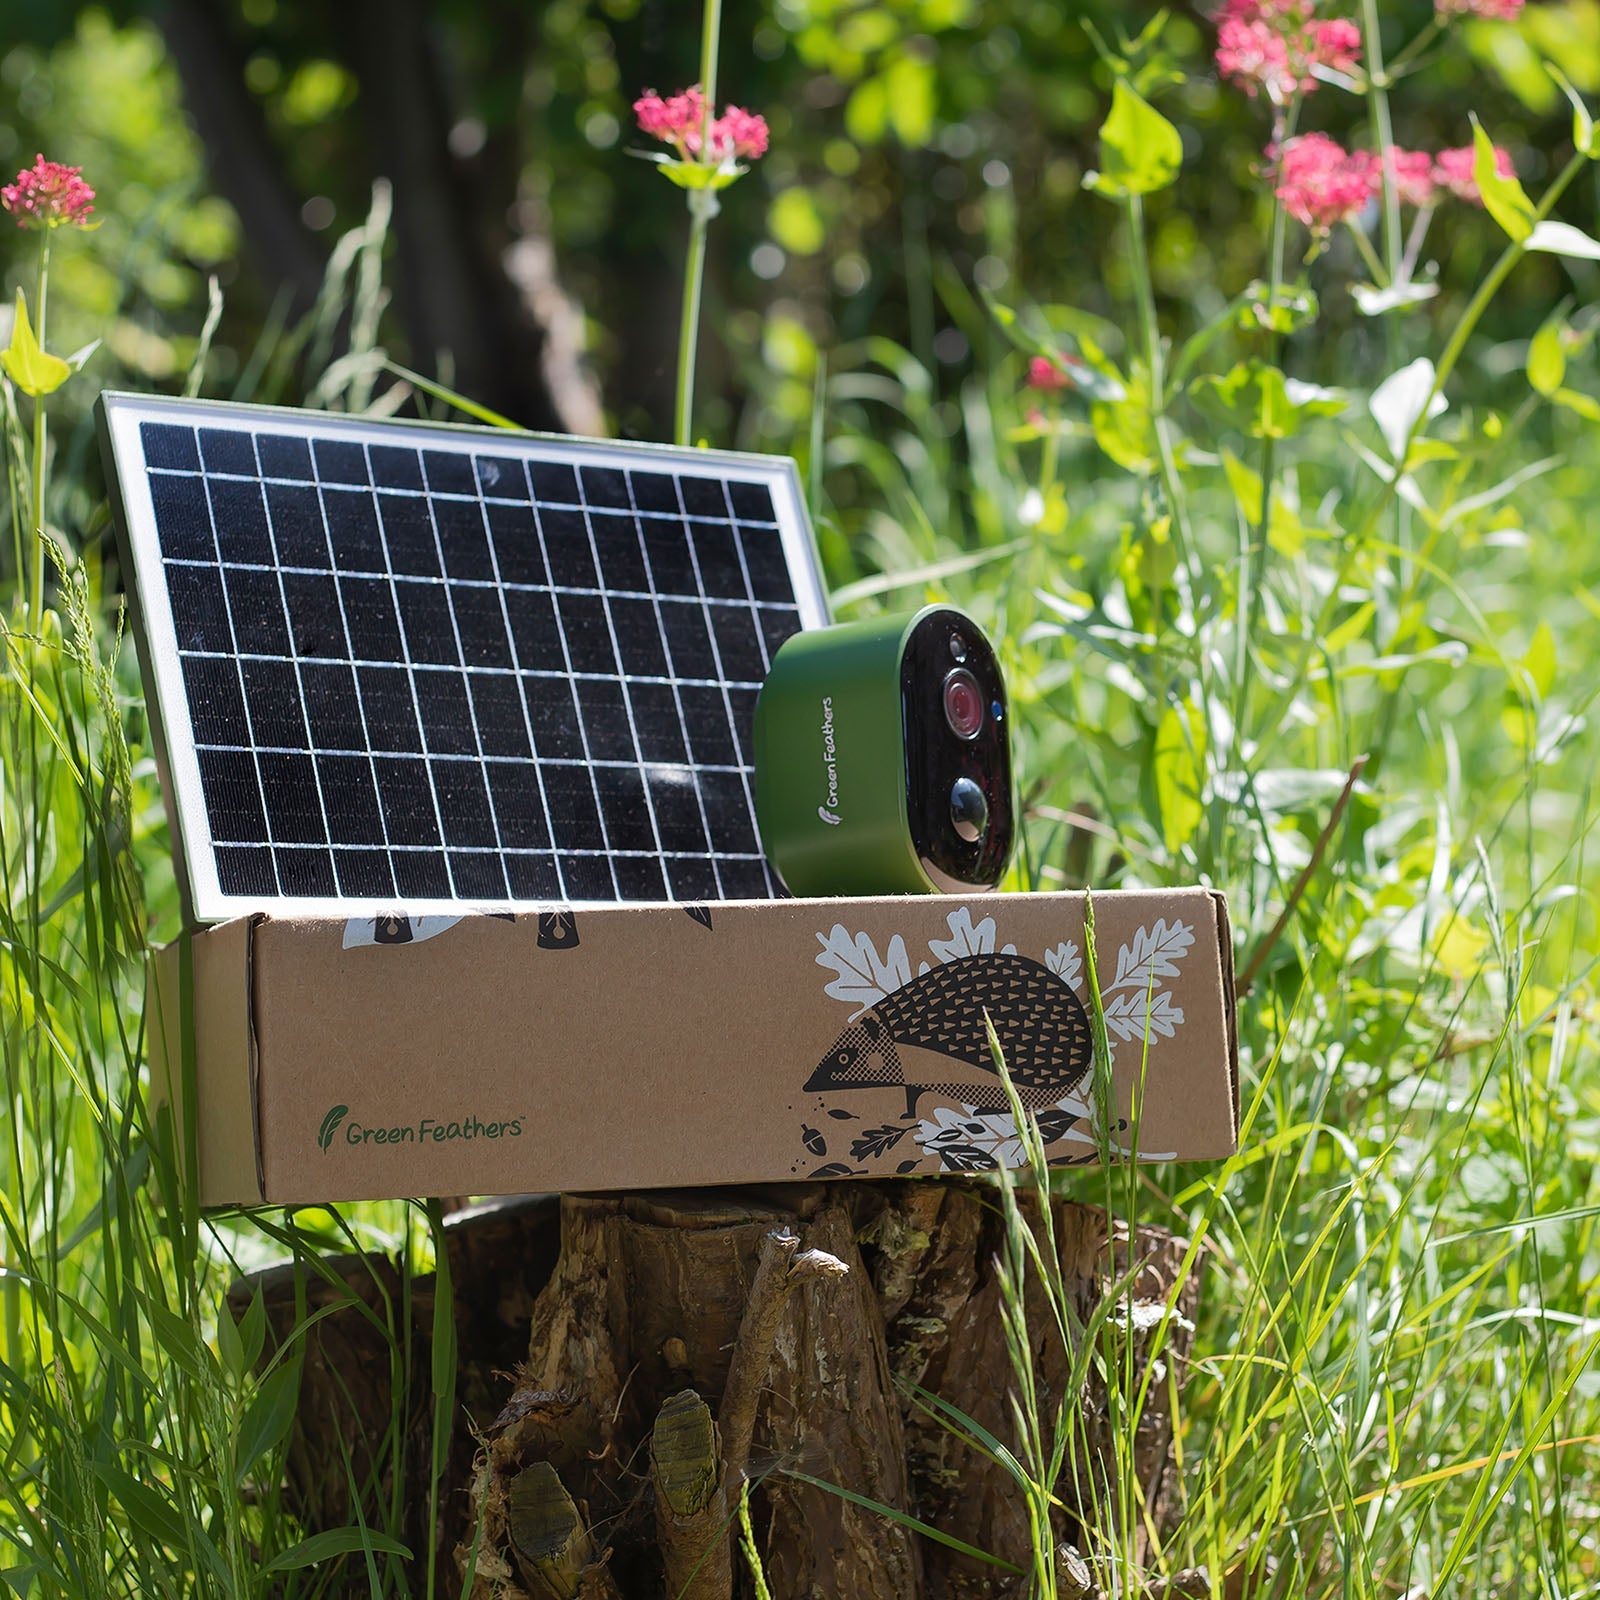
(1499,10)
(1321,183)
(48,195)
(680,120)
(1277,45)
(1048,375)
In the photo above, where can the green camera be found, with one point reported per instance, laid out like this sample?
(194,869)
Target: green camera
(883,758)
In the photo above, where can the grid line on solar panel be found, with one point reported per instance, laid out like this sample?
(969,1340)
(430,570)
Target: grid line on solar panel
(657,678)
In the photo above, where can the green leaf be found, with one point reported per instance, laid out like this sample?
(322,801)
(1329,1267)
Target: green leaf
(1140,151)
(1257,399)
(334,1542)
(32,369)
(1293,307)
(1583,130)
(1540,661)
(1372,301)
(1547,361)
(1092,374)
(1246,485)
(253,1329)
(268,1419)
(901,1519)
(1503,198)
(177,1340)
(1180,743)
(1562,239)
(1584,405)
(229,1345)
(1352,628)
(1125,430)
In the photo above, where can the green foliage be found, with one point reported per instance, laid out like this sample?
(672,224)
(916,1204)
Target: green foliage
(1140,151)
(33,370)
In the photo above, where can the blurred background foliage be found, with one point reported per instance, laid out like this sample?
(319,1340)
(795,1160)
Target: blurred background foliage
(921,149)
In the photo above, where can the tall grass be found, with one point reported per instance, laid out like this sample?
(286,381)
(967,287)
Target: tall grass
(143,1424)
(1393,1388)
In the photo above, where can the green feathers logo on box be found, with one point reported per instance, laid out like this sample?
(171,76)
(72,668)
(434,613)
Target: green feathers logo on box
(429,1130)
(330,1126)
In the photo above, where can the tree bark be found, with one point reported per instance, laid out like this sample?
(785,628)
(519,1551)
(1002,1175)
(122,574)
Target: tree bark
(239,153)
(822,1326)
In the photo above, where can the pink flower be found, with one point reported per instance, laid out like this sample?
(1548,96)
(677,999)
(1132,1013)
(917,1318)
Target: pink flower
(743,132)
(48,195)
(1048,375)
(1321,183)
(1500,10)
(673,119)
(1411,173)
(1293,13)
(680,120)
(1252,54)
(1452,170)
(1336,45)
(1277,46)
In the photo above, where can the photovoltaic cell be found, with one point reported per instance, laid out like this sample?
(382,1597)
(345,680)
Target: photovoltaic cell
(408,664)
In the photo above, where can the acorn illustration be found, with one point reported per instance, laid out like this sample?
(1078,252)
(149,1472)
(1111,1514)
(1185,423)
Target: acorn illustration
(929,1035)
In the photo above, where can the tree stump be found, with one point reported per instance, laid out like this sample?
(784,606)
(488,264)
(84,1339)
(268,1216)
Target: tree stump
(680,1345)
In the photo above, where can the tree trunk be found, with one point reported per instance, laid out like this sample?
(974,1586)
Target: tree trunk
(802,1340)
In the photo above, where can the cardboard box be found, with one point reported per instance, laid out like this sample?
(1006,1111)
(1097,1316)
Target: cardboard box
(660,1046)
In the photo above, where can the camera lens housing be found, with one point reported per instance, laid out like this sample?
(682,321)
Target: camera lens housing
(883,762)
(963,704)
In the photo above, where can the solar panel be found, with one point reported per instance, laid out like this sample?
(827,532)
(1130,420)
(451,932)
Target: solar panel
(416,664)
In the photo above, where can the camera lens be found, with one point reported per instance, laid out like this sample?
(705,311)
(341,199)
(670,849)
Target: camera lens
(963,704)
(969,811)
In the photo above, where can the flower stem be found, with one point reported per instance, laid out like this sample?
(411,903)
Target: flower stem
(689,329)
(1155,360)
(1402,63)
(1382,133)
(1364,246)
(36,608)
(1255,564)
(710,32)
(700,214)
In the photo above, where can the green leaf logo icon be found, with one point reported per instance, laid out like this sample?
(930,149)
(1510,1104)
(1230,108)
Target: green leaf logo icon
(330,1125)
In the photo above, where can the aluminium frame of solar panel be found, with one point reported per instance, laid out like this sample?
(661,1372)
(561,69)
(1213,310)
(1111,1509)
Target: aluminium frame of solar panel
(270,509)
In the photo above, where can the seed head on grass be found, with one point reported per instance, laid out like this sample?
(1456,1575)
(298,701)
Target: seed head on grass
(49,195)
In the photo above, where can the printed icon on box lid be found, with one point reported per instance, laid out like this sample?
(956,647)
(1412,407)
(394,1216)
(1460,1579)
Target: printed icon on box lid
(558,930)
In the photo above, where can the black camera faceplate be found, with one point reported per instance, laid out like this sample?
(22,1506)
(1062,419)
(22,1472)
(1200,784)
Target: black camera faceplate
(936,756)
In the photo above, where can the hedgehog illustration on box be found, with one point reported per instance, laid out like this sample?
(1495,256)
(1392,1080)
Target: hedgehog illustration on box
(918,1027)
(928,1035)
